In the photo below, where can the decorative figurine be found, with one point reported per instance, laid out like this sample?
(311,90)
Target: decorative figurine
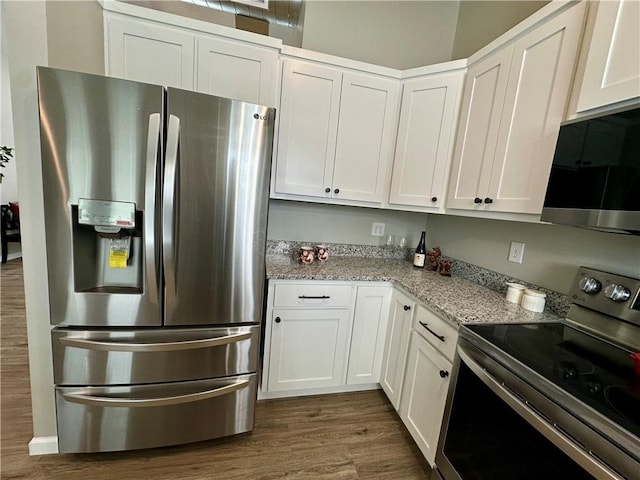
(445,268)
(433,259)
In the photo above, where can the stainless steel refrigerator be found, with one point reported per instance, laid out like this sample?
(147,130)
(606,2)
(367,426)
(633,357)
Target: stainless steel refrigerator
(155,214)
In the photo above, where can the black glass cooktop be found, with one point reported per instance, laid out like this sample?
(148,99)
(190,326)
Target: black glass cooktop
(594,371)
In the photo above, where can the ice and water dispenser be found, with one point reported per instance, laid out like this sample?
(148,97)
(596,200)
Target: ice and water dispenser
(107,247)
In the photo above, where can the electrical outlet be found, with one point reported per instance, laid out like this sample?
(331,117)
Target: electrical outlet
(516,252)
(377,229)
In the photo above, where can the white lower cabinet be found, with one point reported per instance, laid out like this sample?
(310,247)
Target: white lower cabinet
(308,348)
(367,338)
(395,350)
(323,337)
(424,393)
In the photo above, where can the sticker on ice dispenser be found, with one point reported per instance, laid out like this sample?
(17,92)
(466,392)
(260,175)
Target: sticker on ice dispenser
(119,249)
(117,259)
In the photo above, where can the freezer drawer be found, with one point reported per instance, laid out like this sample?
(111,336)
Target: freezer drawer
(103,419)
(108,357)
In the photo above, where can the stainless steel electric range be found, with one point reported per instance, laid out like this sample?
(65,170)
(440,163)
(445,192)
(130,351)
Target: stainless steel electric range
(550,400)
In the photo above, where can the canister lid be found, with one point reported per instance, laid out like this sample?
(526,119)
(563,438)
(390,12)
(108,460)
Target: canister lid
(517,286)
(535,293)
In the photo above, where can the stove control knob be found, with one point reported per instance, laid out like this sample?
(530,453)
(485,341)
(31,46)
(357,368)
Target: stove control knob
(617,293)
(589,285)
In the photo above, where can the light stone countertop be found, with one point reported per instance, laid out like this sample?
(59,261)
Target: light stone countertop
(456,299)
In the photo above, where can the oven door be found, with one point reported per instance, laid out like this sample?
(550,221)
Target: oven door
(491,432)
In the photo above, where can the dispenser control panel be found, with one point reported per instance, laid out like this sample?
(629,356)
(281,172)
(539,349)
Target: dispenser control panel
(104,213)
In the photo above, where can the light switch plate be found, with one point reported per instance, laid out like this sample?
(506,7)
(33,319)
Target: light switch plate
(516,252)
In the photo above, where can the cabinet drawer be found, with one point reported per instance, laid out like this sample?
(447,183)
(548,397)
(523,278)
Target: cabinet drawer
(312,295)
(437,331)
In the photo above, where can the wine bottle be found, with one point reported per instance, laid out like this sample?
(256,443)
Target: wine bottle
(421,252)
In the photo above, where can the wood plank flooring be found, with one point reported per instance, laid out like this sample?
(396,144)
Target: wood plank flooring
(346,436)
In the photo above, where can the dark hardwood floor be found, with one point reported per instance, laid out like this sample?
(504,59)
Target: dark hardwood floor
(346,436)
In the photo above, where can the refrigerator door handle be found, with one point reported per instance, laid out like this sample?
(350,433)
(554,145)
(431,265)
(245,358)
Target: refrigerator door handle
(153,142)
(154,347)
(168,206)
(153,402)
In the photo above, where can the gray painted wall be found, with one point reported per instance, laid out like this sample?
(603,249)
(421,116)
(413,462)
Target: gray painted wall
(480,22)
(315,222)
(396,34)
(551,255)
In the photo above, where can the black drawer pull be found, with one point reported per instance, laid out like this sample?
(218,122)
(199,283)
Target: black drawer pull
(488,200)
(327,190)
(277,320)
(444,374)
(477,200)
(439,337)
(319,297)
(407,308)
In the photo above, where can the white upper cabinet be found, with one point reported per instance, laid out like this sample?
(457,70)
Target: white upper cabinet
(336,134)
(309,107)
(424,146)
(238,71)
(513,104)
(148,52)
(612,70)
(176,56)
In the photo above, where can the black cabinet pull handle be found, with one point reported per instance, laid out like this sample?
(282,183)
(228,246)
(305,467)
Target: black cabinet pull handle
(477,200)
(488,200)
(439,337)
(278,320)
(434,199)
(319,297)
(407,308)
(327,190)
(444,374)
(337,190)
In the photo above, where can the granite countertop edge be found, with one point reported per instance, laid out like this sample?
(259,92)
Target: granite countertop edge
(456,299)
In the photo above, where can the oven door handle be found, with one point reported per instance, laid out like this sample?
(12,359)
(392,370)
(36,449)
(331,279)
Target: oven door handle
(553,434)
(98,401)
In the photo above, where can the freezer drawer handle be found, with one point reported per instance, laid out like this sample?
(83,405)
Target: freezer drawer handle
(153,402)
(314,297)
(153,347)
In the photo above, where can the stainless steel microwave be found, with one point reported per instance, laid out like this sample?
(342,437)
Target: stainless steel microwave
(595,176)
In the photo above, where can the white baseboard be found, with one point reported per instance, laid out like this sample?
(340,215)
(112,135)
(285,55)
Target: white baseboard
(14,255)
(43,445)
(318,391)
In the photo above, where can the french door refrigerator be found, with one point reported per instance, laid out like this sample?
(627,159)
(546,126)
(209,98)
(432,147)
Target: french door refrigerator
(155,216)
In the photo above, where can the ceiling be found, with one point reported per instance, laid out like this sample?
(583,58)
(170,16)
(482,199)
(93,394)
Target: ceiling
(281,12)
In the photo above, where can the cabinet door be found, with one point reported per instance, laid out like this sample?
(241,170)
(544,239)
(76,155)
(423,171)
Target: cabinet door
(478,130)
(366,128)
(309,348)
(535,103)
(612,71)
(395,347)
(232,70)
(309,108)
(424,147)
(367,337)
(424,395)
(151,53)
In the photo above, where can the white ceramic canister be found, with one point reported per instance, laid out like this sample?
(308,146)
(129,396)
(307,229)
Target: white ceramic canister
(533,300)
(514,292)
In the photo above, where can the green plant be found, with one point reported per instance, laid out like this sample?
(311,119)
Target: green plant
(6,154)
